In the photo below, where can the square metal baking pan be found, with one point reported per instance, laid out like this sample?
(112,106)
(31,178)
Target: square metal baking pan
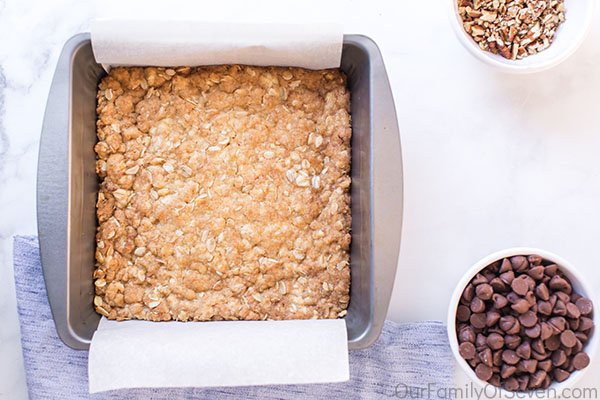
(67,188)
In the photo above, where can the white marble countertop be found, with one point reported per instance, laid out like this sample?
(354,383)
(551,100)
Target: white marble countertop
(490,160)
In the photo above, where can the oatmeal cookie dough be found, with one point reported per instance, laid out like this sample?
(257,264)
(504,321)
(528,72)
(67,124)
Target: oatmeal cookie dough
(224,194)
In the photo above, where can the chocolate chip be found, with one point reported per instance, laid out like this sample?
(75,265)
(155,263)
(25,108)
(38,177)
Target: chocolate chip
(573,324)
(507,322)
(466,350)
(468,293)
(528,319)
(568,352)
(551,270)
(585,306)
(537,379)
(585,323)
(516,328)
(486,357)
(558,323)
(559,308)
(494,380)
(539,356)
(499,301)
(505,266)
(546,279)
(521,285)
(530,297)
(534,260)
(547,382)
(538,346)
(495,341)
(559,283)
(521,306)
(512,341)
(519,263)
(552,299)
(523,382)
(562,296)
(541,291)
(463,313)
(506,371)
(558,357)
(478,320)
(544,307)
(484,291)
(510,357)
(568,338)
(492,318)
(553,343)
(573,311)
(477,305)
(498,285)
(534,331)
(511,384)
(545,365)
(512,297)
(480,341)
(580,361)
(575,297)
(560,375)
(479,279)
(493,267)
(546,331)
(581,336)
(528,366)
(467,334)
(483,372)
(578,346)
(524,350)
(537,272)
(489,275)
(497,358)
(507,277)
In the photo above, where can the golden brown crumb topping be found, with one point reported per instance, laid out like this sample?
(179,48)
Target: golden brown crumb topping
(224,194)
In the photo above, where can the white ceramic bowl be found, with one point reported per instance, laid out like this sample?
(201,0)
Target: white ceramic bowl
(579,286)
(569,36)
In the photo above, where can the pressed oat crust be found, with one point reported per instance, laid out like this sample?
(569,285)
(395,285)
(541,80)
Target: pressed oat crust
(224,194)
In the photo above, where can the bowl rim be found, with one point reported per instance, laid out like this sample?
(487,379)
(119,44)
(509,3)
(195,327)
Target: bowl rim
(514,66)
(570,271)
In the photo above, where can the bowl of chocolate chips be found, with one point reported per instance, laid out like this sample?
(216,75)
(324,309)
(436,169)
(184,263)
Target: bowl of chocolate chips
(523,319)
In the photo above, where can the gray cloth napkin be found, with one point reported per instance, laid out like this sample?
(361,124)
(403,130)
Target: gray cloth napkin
(408,361)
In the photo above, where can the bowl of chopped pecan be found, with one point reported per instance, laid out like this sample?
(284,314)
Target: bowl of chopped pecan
(522,36)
